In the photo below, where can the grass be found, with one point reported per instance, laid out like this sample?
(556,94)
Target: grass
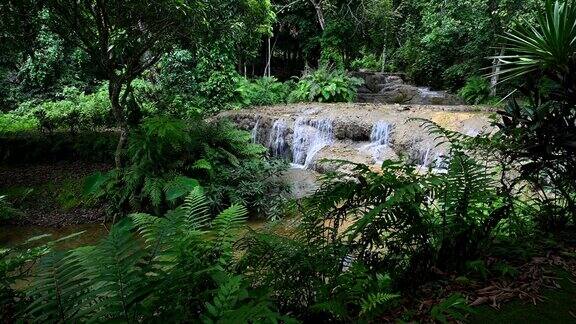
(555,308)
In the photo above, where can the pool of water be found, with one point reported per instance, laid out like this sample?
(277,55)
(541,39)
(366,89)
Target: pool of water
(11,235)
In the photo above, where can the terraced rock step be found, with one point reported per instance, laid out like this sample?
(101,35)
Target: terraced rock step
(390,88)
(304,134)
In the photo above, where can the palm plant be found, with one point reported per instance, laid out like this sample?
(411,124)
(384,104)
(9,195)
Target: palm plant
(542,135)
(548,48)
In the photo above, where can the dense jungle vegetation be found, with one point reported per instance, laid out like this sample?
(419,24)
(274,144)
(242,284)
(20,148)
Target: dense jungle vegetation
(111,113)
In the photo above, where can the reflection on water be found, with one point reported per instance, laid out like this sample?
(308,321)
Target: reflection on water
(11,235)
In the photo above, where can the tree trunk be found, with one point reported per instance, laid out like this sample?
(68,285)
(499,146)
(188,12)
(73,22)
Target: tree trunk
(495,73)
(383,58)
(319,12)
(114,89)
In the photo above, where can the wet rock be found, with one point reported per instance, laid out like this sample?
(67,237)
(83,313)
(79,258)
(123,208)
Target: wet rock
(400,93)
(392,88)
(354,130)
(351,138)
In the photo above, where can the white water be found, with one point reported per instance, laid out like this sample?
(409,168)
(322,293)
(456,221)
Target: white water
(381,133)
(425,158)
(277,141)
(437,161)
(379,141)
(425,92)
(310,136)
(254,132)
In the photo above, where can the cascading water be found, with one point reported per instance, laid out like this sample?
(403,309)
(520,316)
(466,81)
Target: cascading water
(379,140)
(380,133)
(425,92)
(425,157)
(254,132)
(436,160)
(310,136)
(277,141)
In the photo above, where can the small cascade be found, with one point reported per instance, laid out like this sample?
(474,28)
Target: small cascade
(254,132)
(425,92)
(425,157)
(277,141)
(310,136)
(436,160)
(380,133)
(379,141)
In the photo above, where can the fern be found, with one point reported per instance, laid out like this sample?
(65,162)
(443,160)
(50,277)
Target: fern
(376,300)
(226,297)
(127,279)
(58,289)
(452,308)
(224,228)
(118,282)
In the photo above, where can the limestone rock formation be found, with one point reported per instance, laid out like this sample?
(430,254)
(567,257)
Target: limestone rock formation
(392,89)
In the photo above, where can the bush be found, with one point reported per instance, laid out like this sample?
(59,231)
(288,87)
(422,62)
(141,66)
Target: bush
(11,123)
(73,112)
(262,91)
(253,183)
(368,62)
(325,85)
(168,158)
(476,91)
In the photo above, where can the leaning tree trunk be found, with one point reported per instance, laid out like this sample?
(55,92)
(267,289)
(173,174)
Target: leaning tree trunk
(319,12)
(114,90)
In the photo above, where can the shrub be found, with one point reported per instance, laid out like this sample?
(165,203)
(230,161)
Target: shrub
(476,91)
(262,91)
(168,158)
(11,123)
(325,85)
(253,183)
(368,62)
(540,134)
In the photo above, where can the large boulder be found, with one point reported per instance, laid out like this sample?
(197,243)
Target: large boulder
(356,130)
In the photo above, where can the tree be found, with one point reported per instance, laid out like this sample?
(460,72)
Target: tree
(124,38)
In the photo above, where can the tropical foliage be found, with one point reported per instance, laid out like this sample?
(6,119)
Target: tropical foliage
(138,85)
(126,279)
(168,159)
(325,85)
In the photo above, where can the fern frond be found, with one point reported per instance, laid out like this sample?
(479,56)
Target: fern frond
(225,227)
(196,210)
(153,189)
(119,283)
(442,134)
(376,300)
(179,186)
(58,288)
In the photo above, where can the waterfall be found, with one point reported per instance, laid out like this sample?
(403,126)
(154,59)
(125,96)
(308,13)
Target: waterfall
(277,141)
(379,140)
(425,92)
(254,132)
(438,161)
(425,157)
(310,136)
(380,134)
